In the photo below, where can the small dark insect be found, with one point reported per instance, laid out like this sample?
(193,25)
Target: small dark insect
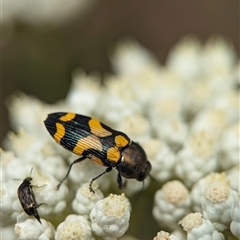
(92,139)
(27,198)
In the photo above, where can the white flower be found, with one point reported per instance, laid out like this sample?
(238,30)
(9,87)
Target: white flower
(226,101)
(29,228)
(184,58)
(85,200)
(217,202)
(234,176)
(180,233)
(136,126)
(163,107)
(10,206)
(34,153)
(110,217)
(211,120)
(165,236)
(199,228)
(171,203)
(9,162)
(235,224)
(166,95)
(172,130)
(218,56)
(28,113)
(130,58)
(74,227)
(118,100)
(43,12)
(228,146)
(84,93)
(200,185)
(197,158)
(161,158)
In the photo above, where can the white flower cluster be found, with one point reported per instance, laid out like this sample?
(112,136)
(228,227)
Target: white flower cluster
(42,11)
(185,114)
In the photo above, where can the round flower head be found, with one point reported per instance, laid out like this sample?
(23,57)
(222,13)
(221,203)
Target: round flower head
(184,58)
(228,146)
(123,101)
(85,200)
(217,202)
(84,93)
(235,224)
(74,227)
(171,203)
(130,58)
(10,161)
(172,130)
(199,228)
(234,176)
(197,158)
(10,206)
(35,153)
(219,54)
(136,126)
(198,188)
(161,157)
(110,216)
(30,228)
(21,106)
(165,236)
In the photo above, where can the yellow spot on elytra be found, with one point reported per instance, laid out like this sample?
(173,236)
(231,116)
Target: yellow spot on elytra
(87,143)
(97,129)
(95,159)
(121,141)
(68,117)
(59,133)
(113,154)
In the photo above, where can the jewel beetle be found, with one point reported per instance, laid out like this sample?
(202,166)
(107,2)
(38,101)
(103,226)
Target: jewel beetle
(98,142)
(27,198)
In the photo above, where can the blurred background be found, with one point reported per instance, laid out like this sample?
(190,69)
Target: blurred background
(42,43)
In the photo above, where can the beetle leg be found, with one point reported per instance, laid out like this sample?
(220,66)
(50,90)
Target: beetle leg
(119,181)
(90,185)
(69,169)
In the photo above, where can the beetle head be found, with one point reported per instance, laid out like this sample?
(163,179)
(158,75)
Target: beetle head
(134,163)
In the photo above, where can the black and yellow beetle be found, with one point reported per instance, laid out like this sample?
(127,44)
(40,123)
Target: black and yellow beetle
(96,141)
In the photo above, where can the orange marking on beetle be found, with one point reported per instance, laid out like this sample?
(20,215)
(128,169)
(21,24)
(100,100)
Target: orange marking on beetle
(95,159)
(59,133)
(121,141)
(97,129)
(68,117)
(87,143)
(113,154)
